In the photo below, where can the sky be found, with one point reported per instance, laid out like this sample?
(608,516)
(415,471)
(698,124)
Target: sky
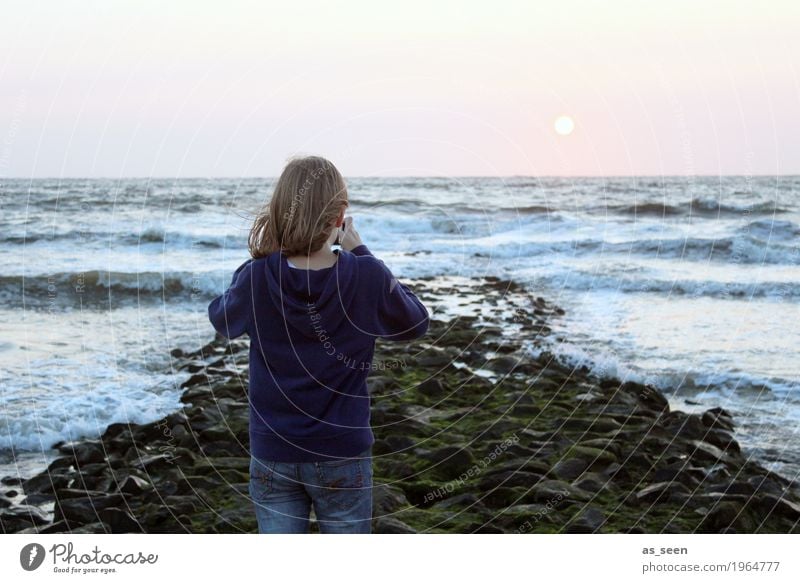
(436,88)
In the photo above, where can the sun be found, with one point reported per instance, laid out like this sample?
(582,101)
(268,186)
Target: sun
(564,125)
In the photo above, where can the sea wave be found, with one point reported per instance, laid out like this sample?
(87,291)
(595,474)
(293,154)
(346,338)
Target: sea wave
(145,237)
(766,229)
(734,250)
(93,286)
(586,282)
(705,207)
(715,382)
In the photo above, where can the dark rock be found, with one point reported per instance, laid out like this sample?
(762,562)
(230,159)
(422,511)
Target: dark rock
(686,426)
(25,515)
(134,485)
(586,425)
(648,395)
(431,388)
(67,493)
(468,499)
(451,461)
(196,379)
(396,443)
(764,485)
(488,528)
(681,471)
(589,520)
(80,511)
(718,418)
(727,516)
(663,491)
(390,525)
(593,482)
(119,521)
(780,506)
(569,469)
(11,481)
(91,528)
(556,490)
(84,452)
(115,430)
(387,499)
(396,468)
(45,483)
(736,487)
(151,462)
(502,497)
(503,364)
(509,479)
(722,439)
(710,453)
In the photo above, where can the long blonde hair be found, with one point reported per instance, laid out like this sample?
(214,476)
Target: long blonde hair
(308,196)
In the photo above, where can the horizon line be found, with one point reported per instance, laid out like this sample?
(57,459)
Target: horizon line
(250,177)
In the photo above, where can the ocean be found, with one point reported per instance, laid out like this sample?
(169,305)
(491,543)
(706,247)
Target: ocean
(689,283)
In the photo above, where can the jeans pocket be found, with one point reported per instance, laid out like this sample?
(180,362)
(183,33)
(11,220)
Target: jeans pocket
(345,482)
(262,476)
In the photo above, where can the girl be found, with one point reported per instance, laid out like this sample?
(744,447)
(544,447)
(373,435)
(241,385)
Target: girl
(312,314)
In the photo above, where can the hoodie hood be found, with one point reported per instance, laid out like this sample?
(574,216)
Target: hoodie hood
(300,294)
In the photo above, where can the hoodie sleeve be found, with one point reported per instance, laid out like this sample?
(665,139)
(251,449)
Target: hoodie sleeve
(231,312)
(401,316)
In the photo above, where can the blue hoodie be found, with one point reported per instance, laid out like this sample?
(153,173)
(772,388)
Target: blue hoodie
(312,338)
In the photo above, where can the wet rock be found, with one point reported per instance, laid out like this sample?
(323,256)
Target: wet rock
(706,452)
(681,471)
(589,520)
(663,491)
(503,364)
(718,418)
(84,452)
(686,426)
(387,499)
(569,469)
(390,525)
(722,439)
(84,510)
(46,484)
(22,516)
(134,485)
(195,380)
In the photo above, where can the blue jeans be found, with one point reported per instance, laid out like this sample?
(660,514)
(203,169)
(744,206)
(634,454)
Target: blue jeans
(340,491)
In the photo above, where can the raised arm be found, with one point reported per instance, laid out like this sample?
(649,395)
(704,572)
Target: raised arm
(401,315)
(231,313)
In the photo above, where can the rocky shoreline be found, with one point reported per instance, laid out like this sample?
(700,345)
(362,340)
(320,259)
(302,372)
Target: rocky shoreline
(473,434)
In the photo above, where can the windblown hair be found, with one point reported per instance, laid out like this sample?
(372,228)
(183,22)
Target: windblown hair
(308,196)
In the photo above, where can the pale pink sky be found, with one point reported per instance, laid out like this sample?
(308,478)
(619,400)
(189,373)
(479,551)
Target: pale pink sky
(413,88)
